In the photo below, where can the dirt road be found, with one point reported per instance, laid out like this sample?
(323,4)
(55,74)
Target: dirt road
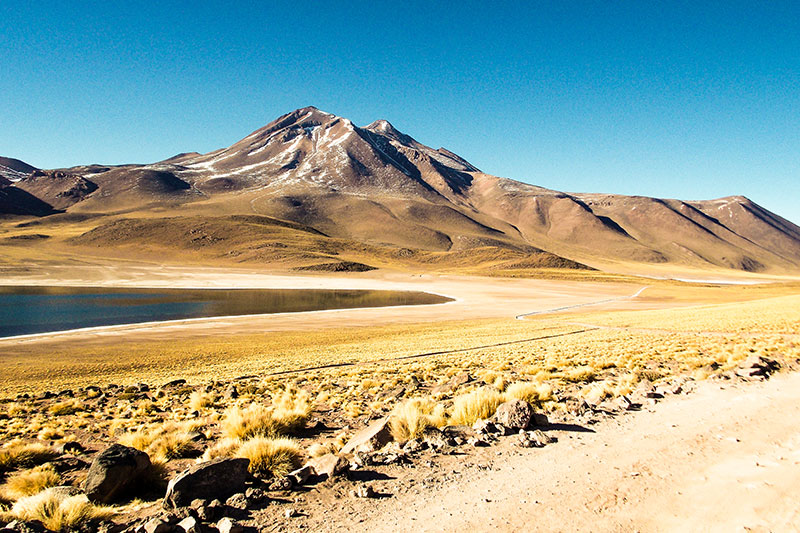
(724,458)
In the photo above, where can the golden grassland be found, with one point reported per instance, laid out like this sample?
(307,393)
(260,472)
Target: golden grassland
(350,375)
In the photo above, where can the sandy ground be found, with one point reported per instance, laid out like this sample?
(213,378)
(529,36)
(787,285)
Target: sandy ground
(723,458)
(475,298)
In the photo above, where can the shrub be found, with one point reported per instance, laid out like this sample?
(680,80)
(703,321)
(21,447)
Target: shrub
(481,403)
(200,400)
(30,482)
(534,393)
(410,419)
(66,407)
(25,455)
(59,512)
(271,457)
(288,413)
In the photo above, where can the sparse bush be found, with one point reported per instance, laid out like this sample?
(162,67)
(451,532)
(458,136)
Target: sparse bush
(59,512)
(222,448)
(169,441)
(410,419)
(271,457)
(534,393)
(200,400)
(480,403)
(25,455)
(288,413)
(30,482)
(50,433)
(66,407)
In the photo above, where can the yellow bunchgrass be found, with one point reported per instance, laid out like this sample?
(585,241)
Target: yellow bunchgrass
(480,403)
(67,407)
(59,512)
(162,442)
(288,413)
(24,455)
(410,419)
(534,393)
(199,400)
(30,482)
(271,457)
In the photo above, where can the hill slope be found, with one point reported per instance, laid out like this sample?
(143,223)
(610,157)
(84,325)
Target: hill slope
(380,187)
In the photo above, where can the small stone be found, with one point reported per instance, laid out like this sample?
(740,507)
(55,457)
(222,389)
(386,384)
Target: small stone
(237,501)
(157,525)
(290,513)
(373,437)
(514,414)
(412,446)
(329,465)
(190,524)
(228,525)
(301,475)
(281,484)
(70,447)
(364,491)
(477,442)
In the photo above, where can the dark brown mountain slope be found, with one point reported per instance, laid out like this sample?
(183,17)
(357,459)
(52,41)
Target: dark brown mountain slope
(381,187)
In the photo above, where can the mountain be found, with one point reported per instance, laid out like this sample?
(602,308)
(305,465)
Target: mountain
(14,169)
(381,188)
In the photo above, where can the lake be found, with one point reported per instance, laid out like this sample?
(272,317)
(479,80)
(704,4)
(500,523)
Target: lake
(27,310)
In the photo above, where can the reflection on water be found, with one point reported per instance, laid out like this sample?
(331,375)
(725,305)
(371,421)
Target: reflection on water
(26,310)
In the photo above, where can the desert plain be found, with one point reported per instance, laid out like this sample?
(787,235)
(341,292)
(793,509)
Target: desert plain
(647,405)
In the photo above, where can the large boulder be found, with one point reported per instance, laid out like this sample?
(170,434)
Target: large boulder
(212,480)
(371,438)
(114,473)
(514,414)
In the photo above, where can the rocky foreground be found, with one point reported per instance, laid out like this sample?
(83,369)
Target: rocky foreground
(97,483)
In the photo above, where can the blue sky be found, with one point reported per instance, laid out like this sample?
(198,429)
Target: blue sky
(686,100)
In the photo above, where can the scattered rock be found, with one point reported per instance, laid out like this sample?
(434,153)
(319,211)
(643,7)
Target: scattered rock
(412,446)
(435,438)
(373,437)
(211,480)
(290,513)
(228,525)
(190,524)
(514,414)
(757,367)
(237,501)
(329,465)
(301,475)
(284,483)
(71,447)
(157,525)
(364,491)
(455,382)
(26,526)
(114,472)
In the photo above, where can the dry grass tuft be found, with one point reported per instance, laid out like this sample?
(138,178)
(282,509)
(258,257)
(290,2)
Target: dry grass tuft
(533,393)
(199,400)
(411,418)
(30,482)
(59,512)
(168,441)
(288,413)
(25,455)
(225,447)
(271,457)
(67,407)
(481,403)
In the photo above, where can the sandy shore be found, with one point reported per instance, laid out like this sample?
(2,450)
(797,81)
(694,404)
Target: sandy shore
(475,298)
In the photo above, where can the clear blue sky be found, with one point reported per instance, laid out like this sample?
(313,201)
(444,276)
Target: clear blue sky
(693,100)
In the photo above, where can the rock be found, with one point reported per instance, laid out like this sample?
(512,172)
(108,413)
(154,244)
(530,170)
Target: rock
(412,446)
(364,491)
(392,394)
(455,382)
(211,480)
(482,426)
(256,496)
(231,393)
(329,465)
(514,414)
(26,526)
(114,472)
(477,442)
(237,501)
(71,447)
(228,525)
(435,438)
(190,524)
(157,525)
(284,483)
(290,513)
(174,383)
(373,437)
(301,475)
(757,367)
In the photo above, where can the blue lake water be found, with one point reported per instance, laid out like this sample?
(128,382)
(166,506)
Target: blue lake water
(27,310)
